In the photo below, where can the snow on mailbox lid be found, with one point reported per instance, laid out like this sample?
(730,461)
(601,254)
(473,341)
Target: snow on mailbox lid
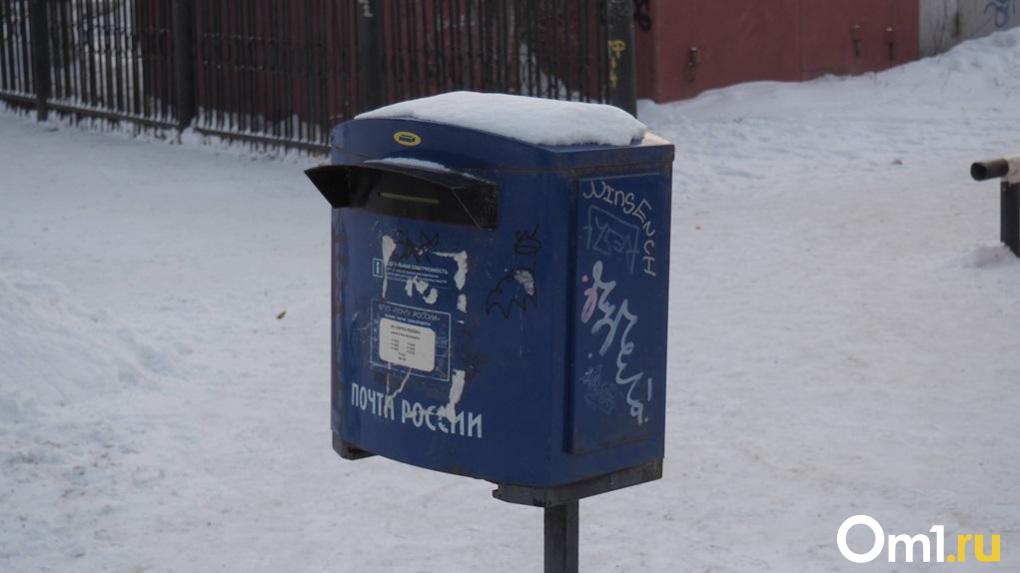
(532,120)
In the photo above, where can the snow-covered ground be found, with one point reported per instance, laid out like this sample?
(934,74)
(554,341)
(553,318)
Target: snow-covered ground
(844,339)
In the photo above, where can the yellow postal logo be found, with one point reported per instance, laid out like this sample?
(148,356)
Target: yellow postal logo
(406,138)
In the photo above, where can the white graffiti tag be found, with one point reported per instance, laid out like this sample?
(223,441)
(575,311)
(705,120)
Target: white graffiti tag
(597,297)
(624,237)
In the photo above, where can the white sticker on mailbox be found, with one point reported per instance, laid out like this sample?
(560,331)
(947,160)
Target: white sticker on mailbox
(407,345)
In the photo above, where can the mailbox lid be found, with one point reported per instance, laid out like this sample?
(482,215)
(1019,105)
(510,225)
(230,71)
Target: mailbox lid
(418,190)
(531,120)
(471,150)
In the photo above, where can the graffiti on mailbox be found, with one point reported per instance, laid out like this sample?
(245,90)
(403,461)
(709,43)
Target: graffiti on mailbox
(420,249)
(611,236)
(631,234)
(598,392)
(614,323)
(518,288)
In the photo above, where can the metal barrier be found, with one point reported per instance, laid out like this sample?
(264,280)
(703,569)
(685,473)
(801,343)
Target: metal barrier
(1007,169)
(101,59)
(282,73)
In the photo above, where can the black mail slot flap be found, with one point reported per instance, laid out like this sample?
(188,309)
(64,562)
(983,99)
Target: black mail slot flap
(409,192)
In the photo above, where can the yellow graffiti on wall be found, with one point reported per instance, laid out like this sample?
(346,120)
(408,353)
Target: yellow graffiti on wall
(616,50)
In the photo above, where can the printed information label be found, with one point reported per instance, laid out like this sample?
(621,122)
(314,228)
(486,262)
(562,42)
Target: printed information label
(408,337)
(407,345)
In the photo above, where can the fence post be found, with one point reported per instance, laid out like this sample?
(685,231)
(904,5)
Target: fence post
(39,28)
(370,60)
(184,62)
(622,63)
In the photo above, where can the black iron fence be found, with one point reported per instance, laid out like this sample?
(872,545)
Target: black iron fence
(283,72)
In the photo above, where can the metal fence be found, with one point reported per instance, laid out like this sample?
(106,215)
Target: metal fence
(283,72)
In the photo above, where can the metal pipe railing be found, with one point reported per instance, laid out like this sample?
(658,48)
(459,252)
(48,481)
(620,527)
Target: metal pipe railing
(1008,170)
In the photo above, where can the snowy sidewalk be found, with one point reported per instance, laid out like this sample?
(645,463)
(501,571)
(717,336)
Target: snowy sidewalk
(844,338)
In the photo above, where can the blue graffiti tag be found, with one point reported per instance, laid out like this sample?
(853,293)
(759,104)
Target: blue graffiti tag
(1004,11)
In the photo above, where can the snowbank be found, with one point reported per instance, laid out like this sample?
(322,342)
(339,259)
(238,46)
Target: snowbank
(533,120)
(56,353)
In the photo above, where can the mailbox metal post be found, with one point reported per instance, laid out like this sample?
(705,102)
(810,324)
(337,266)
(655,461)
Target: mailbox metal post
(561,537)
(562,509)
(1008,169)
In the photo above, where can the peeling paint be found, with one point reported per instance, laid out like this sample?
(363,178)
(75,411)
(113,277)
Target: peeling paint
(391,397)
(388,246)
(428,293)
(462,303)
(456,391)
(432,297)
(526,280)
(461,258)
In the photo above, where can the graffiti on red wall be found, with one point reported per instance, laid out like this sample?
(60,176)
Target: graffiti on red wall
(1004,11)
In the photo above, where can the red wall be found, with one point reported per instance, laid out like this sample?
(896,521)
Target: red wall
(748,40)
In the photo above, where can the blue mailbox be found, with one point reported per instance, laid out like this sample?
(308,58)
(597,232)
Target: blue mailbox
(499,306)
